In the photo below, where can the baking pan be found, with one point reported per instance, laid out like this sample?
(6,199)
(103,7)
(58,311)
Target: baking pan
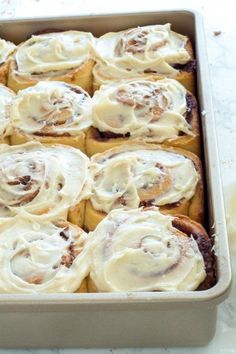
(127,319)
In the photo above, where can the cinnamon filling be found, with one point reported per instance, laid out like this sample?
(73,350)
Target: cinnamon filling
(189,67)
(103,136)
(134,42)
(125,98)
(68,258)
(205,246)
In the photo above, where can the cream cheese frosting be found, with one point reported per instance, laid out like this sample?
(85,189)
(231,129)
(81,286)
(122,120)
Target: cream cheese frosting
(47,53)
(147,49)
(154,110)
(6,98)
(41,257)
(6,48)
(131,174)
(140,250)
(51,108)
(42,179)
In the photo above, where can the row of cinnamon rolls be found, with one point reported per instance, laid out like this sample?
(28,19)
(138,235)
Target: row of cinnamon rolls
(130,250)
(79,58)
(50,194)
(160,111)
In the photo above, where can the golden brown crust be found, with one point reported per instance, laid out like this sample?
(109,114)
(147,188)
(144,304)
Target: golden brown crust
(81,76)
(193,229)
(191,143)
(78,141)
(92,216)
(4,140)
(189,48)
(187,78)
(4,73)
(91,287)
(83,287)
(76,214)
(194,208)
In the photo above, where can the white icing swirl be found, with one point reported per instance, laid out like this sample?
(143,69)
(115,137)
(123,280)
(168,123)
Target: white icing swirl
(50,52)
(42,179)
(131,174)
(147,49)
(51,108)
(6,49)
(140,250)
(41,257)
(155,110)
(6,98)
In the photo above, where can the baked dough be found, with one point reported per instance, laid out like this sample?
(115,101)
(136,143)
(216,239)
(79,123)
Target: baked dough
(141,110)
(41,180)
(135,175)
(51,112)
(6,99)
(142,51)
(144,250)
(42,257)
(59,56)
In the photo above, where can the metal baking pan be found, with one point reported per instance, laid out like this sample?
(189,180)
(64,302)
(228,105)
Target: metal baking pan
(127,319)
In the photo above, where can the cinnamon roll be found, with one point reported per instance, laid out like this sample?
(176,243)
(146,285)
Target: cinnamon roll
(142,51)
(6,98)
(143,175)
(6,50)
(51,112)
(160,111)
(59,56)
(144,250)
(42,257)
(44,181)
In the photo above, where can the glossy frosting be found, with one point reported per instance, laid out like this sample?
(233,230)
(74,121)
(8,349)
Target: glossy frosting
(140,250)
(6,48)
(41,257)
(6,98)
(52,108)
(130,174)
(147,49)
(42,179)
(50,52)
(155,110)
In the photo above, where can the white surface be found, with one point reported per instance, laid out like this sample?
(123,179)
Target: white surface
(218,16)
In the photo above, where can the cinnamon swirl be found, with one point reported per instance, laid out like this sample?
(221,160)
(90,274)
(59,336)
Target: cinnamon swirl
(160,111)
(6,98)
(142,51)
(42,257)
(143,175)
(43,180)
(144,250)
(51,112)
(60,56)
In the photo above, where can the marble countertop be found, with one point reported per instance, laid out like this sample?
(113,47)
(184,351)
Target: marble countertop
(218,16)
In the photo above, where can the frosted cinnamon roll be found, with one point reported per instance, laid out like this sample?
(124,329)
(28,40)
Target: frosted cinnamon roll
(60,56)
(51,112)
(6,98)
(43,180)
(144,175)
(142,51)
(6,50)
(42,257)
(144,250)
(160,111)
